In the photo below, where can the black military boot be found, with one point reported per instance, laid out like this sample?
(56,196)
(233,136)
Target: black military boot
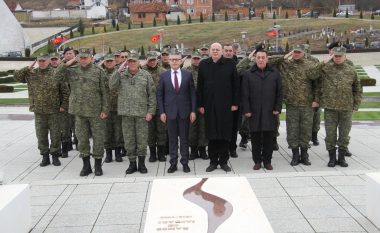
(161,153)
(123,152)
(243,142)
(332,155)
(341,160)
(45,160)
(193,153)
(296,157)
(108,158)
(202,152)
(305,157)
(314,138)
(275,144)
(153,154)
(348,153)
(233,153)
(70,145)
(141,165)
(55,159)
(118,157)
(75,142)
(132,167)
(65,152)
(86,170)
(98,167)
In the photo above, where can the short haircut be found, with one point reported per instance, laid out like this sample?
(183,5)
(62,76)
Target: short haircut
(262,51)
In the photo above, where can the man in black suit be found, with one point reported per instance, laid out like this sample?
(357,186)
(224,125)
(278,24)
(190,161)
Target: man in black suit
(176,101)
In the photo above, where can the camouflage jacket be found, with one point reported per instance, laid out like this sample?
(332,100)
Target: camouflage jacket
(46,93)
(194,71)
(340,87)
(166,66)
(112,100)
(244,65)
(137,93)
(89,95)
(297,76)
(155,73)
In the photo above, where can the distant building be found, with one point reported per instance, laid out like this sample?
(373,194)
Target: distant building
(146,12)
(194,7)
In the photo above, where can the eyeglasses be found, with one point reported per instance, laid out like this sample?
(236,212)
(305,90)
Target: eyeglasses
(175,60)
(123,57)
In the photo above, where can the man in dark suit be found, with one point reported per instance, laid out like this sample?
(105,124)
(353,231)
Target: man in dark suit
(176,101)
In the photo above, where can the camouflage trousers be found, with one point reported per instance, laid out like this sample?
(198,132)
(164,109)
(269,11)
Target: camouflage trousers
(298,126)
(316,120)
(337,121)
(244,128)
(46,124)
(65,128)
(156,132)
(135,132)
(197,132)
(85,127)
(113,132)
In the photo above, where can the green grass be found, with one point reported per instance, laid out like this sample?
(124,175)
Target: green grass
(371,94)
(368,116)
(14,101)
(370,105)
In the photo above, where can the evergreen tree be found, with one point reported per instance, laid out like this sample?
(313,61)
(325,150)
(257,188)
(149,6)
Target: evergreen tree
(347,41)
(274,14)
(166,21)
(93,30)
(225,16)
(27,52)
(286,15)
(189,19)
(366,42)
(287,46)
(238,17)
(142,53)
(346,12)
(201,18)
(104,29)
(125,48)
(334,13)
(81,27)
(213,17)
(117,27)
(178,20)
(109,50)
(93,51)
(327,40)
(361,14)
(262,15)
(71,34)
(113,23)
(141,25)
(249,16)
(312,14)
(299,13)
(129,25)
(50,47)
(372,16)
(307,41)
(154,22)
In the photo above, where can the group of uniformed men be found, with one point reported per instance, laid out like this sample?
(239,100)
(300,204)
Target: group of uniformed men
(114,103)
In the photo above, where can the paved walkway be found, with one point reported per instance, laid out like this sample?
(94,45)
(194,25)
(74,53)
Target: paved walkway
(295,199)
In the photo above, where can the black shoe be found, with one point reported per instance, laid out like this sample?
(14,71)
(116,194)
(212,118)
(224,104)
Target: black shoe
(55,159)
(225,167)
(65,152)
(296,157)
(275,144)
(45,160)
(153,154)
(348,153)
(314,138)
(70,145)
(305,157)
(141,165)
(233,154)
(123,152)
(202,152)
(118,157)
(341,160)
(332,155)
(132,167)
(75,142)
(98,167)
(161,153)
(243,142)
(186,168)
(193,153)
(172,168)
(86,170)
(108,158)
(211,168)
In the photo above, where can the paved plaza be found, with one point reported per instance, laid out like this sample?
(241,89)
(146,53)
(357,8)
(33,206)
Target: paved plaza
(295,199)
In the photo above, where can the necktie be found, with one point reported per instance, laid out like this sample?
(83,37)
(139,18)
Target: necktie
(176,86)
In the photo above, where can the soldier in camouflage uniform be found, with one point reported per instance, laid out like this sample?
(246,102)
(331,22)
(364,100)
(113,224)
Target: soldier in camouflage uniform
(89,104)
(157,129)
(299,99)
(113,133)
(316,110)
(47,97)
(136,105)
(341,94)
(165,59)
(203,49)
(197,131)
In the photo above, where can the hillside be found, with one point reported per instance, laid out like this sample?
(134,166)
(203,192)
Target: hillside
(49,4)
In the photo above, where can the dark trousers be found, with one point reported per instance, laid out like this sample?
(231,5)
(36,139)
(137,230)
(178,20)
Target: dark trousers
(236,123)
(218,151)
(262,146)
(178,128)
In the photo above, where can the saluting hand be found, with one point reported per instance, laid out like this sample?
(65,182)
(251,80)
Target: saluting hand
(193,117)
(328,58)
(32,65)
(288,54)
(251,56)
(122,66)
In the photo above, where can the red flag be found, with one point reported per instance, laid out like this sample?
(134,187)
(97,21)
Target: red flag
(155,38)
(271,33)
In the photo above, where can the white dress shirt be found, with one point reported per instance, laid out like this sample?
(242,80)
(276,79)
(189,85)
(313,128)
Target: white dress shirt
(179,77)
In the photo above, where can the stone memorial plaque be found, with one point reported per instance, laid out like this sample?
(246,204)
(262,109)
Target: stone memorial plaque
(205,205)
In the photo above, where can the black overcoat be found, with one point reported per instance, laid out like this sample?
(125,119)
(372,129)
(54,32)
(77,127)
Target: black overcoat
(218,90)
(261,95)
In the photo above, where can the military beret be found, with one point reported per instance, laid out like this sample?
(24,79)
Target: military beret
(334,45)
(299,47)
(54,55)
(43,56)
(134,56)
(109,57)
(84,52)
(196,54)
(260,47)
(151,55)
(339,51)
